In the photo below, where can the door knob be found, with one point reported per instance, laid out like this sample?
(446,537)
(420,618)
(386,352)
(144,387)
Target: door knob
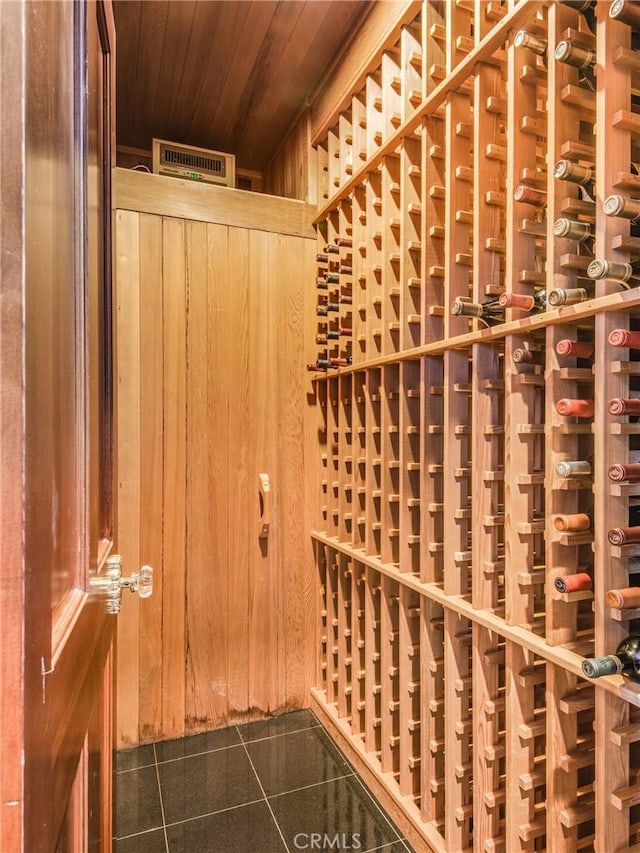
(110,583)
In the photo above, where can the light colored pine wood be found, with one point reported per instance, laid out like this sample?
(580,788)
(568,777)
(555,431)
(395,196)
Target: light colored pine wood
(207,500)
(229,337)
(150,437)
(127,371)
(174,484)
(223,205)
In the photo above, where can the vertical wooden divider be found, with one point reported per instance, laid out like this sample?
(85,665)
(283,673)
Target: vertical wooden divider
(206,532)
(174,457)
(128,374)
(264,685)
(150,472)
(359,449)
(613,153)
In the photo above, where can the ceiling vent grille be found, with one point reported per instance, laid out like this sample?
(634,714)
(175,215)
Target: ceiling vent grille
(194,164)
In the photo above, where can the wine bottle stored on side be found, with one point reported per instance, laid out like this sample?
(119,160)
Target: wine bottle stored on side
(560,296)
(622,272)
(575,468)
(623,599)
(575,349)
(619,205)
(574,54)
(572,522)
(625,660)
(530,195)
(620,406)
(535,43)
(327,308)
(573,230)
(489,312)
(626,11)
(629,472)
(623,535)
(524,302)
(522,355)
(624,338)
(573,583)
(575,408)
(583,176)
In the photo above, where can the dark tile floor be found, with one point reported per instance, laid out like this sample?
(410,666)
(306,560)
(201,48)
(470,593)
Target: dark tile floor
(274,786)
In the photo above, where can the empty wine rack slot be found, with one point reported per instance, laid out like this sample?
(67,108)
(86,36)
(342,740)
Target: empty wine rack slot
(477,528)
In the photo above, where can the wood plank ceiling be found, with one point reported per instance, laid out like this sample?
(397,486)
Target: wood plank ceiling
(231,76)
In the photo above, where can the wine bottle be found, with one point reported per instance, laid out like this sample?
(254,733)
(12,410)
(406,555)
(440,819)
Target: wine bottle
(623,535)
(522,355)
(340,362)
(532,42)
(624,598)
(529,195)
(577,349)
(344,242)
(321,283)
(629,472)
(330,335)
(567,296)
(319,366)
(614,270)
(573,54)
(626,11)
(327,308)
(523,301)
(621,406)
(489,312)
(345,299)
(573,230)
(572,522)
(584,176)
(575,408)
(619,205)
(332,249)
(573,583)
(624,338)
(577,468)
(625,660)
(322,258)
(345,269)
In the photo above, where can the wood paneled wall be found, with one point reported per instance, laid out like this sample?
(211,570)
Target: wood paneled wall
(292,171)
(211,392)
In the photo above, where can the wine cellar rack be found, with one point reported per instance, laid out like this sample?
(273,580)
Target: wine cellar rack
(462,563)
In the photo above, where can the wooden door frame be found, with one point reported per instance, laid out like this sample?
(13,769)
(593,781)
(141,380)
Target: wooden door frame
(14,684)
(12,428)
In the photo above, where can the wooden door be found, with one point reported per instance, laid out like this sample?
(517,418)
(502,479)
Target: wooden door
(56,419)
(211,394)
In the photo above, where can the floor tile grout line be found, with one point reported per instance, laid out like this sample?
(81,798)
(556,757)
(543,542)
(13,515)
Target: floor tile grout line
(312,785)
(213,814)
(164,822)
(281,734)
(376,804)
(197,754)
(266,799)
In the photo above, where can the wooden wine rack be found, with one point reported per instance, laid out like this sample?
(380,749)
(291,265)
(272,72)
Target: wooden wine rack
(449,664)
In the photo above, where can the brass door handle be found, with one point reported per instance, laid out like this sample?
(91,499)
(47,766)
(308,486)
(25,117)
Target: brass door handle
(264,493)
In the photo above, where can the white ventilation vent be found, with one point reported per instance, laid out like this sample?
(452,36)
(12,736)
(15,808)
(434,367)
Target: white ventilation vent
(194,164)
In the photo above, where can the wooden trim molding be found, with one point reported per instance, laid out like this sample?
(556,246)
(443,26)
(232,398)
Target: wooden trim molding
(145,193)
